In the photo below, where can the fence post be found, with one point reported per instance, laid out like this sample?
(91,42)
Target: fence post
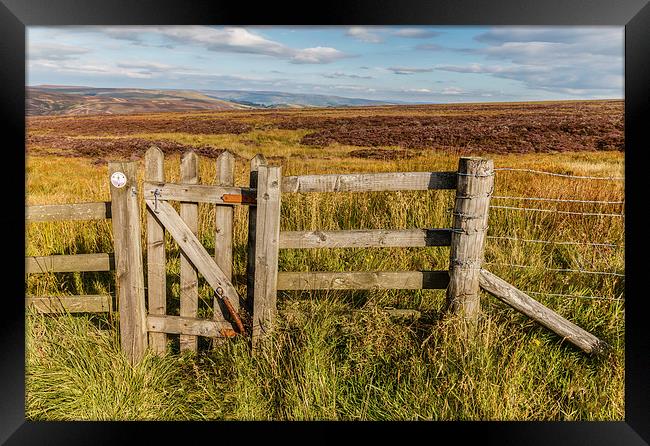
(257,161)
(156,264)
(267,243)
(189,212)
(473,191)
(129,271)
(224,230)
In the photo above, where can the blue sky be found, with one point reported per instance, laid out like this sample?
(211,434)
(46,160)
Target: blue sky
(406,63)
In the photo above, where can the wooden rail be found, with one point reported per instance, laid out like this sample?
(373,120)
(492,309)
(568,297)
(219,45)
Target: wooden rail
(188,326)
(69,263)
(365,238)
(199,193)
(95,303)
(369,182)
(374,280)
(74,211)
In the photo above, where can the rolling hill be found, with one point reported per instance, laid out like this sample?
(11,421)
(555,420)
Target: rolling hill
(45,100)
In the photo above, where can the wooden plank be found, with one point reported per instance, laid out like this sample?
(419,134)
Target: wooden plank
(224,228)
(154,161)
(192,248)
(199,193)
(189,213)
(129,271)
(74,211)
(475,184)
(71,304)
(266,250)
(369,238)
(69,263)
(188,326)
(367,182)
(525,304)
(257,161)
(371,280)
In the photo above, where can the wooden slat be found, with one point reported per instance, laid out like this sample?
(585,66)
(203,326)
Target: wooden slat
(224,227)
(192,248)
(189,281)
(129,270)
(69,263)
(187,326)
(365,238)
(72,304)
(198,193)
(525,304)
(475,184)
(257,161)
(384,280)
(74,211)
(154,161)
(367,182)
(266,250)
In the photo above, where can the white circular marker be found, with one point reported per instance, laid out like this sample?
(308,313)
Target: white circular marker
(118,179)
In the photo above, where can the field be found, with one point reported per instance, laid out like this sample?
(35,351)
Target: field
(326,362)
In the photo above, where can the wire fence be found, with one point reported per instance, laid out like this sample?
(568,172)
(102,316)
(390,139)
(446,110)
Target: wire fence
(512,238)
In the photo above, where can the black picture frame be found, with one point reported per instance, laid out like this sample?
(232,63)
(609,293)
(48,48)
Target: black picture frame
(15,15)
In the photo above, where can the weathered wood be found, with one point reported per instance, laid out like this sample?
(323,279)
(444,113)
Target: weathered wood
(189,281)
(69,263)
(366,280)
(129,270)
(188,326)
(367,182)
(392,312)
(525,304)
(365,238)
(257,161)
(192,248)
(475,184)
(156,260)
(74,211)
(96,303)
(266,250)
(199,193)
(224,227)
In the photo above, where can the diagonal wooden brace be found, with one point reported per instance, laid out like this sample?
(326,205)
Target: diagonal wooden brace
(194,250)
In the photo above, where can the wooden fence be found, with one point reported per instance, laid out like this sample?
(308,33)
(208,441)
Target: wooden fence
(144,321)
(69,263)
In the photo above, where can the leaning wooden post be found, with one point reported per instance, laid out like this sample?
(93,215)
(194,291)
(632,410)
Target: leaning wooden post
(267,244)
(128,258)
(474,188)
(156,263)
(257,161)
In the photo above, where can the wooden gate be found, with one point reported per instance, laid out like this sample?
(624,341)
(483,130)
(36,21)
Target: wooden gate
(472,183)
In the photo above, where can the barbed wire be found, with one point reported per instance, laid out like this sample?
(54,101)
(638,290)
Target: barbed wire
(555,211)
(559,174)
(562,200)
(610,245)
(559,270)
(578,296)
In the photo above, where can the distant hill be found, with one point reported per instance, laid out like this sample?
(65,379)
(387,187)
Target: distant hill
(276,99)
(78,100)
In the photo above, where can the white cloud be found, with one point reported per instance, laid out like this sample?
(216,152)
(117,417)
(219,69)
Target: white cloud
(409,70)
(339,74)
(317,55)
(54,51)
(416,33)
(368,35)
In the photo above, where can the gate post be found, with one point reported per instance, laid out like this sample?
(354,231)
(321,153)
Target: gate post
(129,272)
(267,244)
(474,188)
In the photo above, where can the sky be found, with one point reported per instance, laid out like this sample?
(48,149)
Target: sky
(437,64)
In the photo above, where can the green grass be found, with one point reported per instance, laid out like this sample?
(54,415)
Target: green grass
(324,362)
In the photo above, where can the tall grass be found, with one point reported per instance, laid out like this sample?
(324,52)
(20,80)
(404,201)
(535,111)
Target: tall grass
(325,362)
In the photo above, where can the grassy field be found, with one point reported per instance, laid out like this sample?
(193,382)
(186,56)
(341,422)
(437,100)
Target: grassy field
(325,362)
